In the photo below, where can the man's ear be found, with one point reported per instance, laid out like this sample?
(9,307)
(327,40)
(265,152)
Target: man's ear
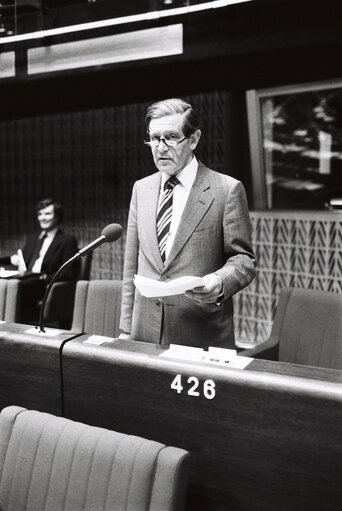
(194,139)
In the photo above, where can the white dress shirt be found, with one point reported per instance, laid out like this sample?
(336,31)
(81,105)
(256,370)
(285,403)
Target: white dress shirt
(181,193)
(37,266)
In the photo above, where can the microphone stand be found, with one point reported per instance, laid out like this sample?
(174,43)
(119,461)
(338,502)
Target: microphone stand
(41,314)
(110,233)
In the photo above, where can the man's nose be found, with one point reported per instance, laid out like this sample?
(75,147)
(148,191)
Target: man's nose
(162,146)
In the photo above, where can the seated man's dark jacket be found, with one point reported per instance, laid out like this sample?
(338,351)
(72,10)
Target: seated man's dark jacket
(62,248)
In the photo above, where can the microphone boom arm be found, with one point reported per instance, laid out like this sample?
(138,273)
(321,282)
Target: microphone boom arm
(47,291)
(110,233)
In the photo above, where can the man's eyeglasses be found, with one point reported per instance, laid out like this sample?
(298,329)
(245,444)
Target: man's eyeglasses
(169,141)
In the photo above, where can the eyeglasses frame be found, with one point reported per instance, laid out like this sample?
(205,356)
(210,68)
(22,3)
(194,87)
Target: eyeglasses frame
(162,139)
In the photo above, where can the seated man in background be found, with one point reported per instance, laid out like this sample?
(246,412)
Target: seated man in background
(44,253)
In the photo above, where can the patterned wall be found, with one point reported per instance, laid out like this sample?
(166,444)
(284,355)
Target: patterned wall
(296,249)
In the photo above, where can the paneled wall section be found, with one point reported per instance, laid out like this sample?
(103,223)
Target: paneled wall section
(296,249)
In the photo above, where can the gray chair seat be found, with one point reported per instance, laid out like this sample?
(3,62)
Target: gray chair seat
(55,464)
(307,329)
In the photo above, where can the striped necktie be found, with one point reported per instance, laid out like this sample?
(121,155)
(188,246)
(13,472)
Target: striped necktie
(165,213)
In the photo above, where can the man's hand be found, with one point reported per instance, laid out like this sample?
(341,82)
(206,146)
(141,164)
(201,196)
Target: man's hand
(208,293)
(15,260)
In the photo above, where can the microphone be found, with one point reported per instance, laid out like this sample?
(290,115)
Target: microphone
(110,233)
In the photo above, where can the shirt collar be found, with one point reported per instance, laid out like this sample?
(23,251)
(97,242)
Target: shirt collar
(50,234)
(186,176)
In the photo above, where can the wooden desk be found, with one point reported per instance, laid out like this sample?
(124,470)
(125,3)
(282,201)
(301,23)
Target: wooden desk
(270,439)
(30,373)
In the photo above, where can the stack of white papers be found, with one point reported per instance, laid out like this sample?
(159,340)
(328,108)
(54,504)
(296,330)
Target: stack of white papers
(152,288)
(98,339)
(5,274)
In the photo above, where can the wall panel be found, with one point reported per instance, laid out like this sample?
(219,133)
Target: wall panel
(296,249)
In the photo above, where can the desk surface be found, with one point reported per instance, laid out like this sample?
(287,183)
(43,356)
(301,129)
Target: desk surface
(269,439)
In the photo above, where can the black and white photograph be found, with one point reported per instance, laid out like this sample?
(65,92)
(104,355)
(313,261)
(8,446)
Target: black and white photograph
(170,255)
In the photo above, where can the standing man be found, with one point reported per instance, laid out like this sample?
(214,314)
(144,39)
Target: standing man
(186,219)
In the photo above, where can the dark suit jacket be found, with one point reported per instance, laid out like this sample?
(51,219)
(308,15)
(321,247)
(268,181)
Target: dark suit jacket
(214,235)
(62,248)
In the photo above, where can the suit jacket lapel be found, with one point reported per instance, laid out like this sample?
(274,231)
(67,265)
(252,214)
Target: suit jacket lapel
(53,243)
(198,203)
(148,218)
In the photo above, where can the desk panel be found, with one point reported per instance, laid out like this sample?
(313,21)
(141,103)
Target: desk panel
(268,440)
(30,367)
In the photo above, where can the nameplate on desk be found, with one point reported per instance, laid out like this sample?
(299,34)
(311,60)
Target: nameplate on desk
(98,339)
(48,332)
(220,354)
(2,322)
(216,356)
(183,352)
(235,363)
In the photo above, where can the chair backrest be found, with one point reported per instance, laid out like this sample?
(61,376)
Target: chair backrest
(308,324)
(52,463)
(85,266)
(97,307)
(60,302)
(9,300)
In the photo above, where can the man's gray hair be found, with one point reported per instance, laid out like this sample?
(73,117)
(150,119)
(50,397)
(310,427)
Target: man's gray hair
(170,107)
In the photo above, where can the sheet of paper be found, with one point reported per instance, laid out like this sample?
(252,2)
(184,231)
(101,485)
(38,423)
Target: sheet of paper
(183,352)
(50,332)
(98,339)
(241,362)
(5,274)
(153,288)
(22,265)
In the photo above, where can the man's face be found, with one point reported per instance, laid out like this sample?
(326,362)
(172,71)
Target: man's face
(172,160)
(47,219)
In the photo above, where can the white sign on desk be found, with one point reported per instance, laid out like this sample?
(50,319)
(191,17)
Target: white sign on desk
(217,356)
(49,332)
(98,339)
(183,353)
